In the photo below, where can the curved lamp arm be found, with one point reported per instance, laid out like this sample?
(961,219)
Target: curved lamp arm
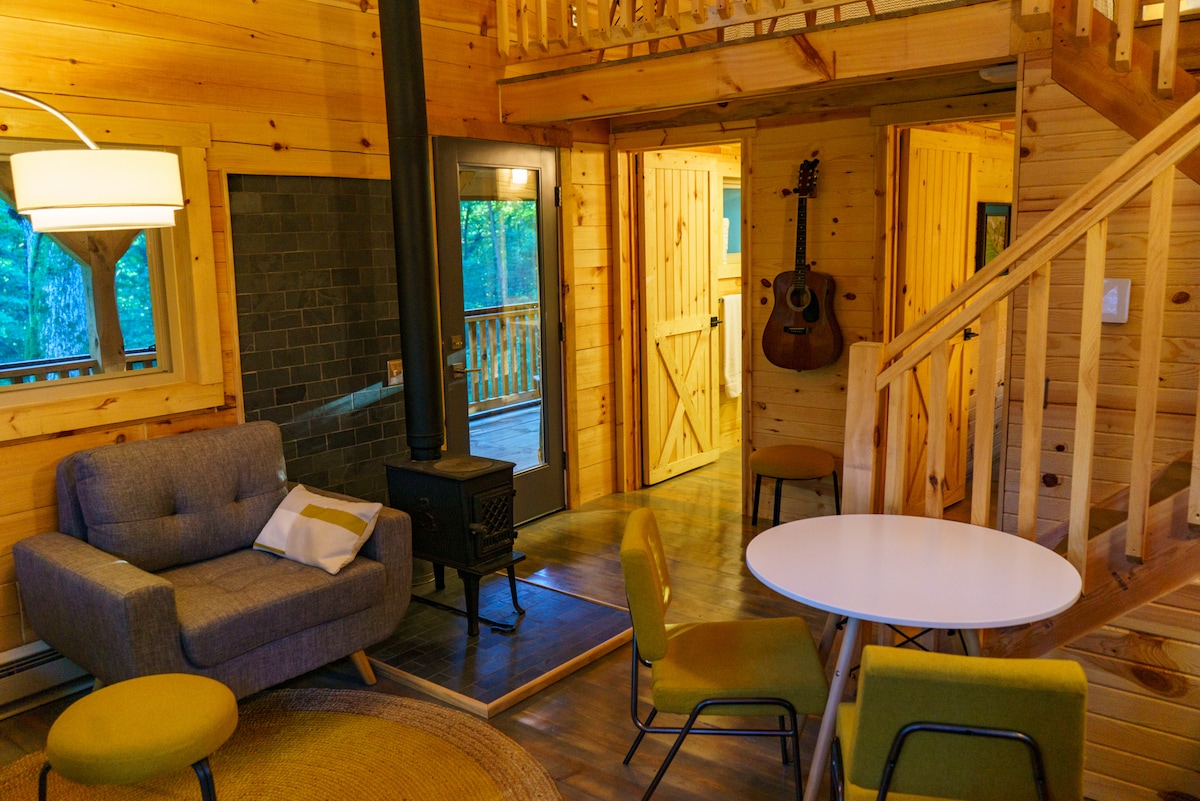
(33,101)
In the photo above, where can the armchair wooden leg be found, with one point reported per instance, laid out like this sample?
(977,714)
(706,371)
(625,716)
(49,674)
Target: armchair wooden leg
(363,666)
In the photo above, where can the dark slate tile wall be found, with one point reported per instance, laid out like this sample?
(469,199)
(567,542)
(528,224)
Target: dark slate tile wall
(314,266)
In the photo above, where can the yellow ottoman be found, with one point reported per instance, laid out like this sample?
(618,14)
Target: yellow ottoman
(134,730)
(791,463)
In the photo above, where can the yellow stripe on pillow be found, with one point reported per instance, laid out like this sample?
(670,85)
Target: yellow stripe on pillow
(335,517)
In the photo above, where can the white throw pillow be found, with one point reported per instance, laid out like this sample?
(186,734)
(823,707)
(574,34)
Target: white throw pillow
(318,530)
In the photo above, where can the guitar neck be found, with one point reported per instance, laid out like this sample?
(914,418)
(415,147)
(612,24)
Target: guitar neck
(801,244)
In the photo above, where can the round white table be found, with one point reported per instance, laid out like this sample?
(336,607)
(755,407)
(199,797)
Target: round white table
(907,571)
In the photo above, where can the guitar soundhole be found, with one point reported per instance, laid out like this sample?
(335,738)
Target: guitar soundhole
(805,302)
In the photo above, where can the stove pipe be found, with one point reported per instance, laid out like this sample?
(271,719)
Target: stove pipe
(412,219)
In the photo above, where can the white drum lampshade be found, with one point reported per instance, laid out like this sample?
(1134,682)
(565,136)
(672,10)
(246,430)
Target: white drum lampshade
(97,190)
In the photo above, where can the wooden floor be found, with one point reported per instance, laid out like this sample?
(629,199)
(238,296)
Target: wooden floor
(579,728)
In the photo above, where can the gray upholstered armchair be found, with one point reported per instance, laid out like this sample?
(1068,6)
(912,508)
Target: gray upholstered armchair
(153,571)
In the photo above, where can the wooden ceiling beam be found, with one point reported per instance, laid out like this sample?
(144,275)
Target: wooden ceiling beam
(950,89)
(975,35)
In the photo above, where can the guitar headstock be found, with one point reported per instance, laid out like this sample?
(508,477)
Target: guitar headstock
(808,178)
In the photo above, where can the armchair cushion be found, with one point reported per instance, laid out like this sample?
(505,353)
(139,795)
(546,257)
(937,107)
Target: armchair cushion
(233,604)
(160,503)
(318,530)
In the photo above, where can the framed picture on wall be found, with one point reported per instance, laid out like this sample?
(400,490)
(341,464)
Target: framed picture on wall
(991,231)
(730,265)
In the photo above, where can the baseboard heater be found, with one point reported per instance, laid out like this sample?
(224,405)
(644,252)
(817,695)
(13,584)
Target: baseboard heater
(33,674)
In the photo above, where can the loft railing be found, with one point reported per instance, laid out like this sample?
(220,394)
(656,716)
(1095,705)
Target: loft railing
(503,356)
(530,29)
(878,390)
(527,30)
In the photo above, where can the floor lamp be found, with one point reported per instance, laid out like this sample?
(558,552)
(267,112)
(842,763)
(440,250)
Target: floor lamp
(94,189)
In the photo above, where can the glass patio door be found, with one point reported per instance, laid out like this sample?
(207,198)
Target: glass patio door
(498,275)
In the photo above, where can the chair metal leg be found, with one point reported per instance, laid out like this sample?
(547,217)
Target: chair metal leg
(836,785)
(778,498)
(837,494)
(757,493)
(204,773)
(42,781)
(796,755)
(662,770)
(638,740)
(783,741)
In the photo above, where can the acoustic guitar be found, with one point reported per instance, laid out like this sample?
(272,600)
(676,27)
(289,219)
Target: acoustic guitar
(802,333)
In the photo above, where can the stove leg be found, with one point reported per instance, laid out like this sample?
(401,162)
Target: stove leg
(471,590)
(439,576)
(512,587)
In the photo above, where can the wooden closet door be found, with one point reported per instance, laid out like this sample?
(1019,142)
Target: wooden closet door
(680,209)
(937,218)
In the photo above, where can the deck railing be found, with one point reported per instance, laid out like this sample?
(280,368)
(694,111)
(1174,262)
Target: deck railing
(504,356)
(874,440)
(31,372)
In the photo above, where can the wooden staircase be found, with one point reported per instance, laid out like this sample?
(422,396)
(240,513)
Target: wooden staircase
(1152,548)
(1136,94)
(1126,584)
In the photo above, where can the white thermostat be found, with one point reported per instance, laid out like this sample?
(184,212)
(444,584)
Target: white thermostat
(1114,308)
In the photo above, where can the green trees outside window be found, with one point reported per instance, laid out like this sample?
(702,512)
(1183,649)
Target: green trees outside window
(500,258)
(44,297)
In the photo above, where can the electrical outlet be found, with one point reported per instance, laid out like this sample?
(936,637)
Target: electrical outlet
(395,372)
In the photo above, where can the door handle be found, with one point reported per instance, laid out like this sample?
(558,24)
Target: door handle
(460,370)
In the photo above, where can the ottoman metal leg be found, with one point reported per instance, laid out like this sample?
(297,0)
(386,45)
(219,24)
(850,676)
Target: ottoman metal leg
(204,773)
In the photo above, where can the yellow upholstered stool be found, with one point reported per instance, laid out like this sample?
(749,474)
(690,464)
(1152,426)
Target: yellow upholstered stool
(791,463)
(134,730)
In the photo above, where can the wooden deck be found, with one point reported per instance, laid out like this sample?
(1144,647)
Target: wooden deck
(513,434)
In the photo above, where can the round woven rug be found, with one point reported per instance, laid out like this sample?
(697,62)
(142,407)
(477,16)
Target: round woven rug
(322,745)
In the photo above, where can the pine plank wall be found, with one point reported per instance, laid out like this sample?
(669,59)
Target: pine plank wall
(1143,668)
(841,242)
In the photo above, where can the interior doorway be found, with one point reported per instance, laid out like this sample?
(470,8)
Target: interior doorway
(687,212)
(951,194)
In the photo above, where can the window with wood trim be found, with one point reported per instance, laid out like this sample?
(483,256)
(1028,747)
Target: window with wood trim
(75,305)
(187,373)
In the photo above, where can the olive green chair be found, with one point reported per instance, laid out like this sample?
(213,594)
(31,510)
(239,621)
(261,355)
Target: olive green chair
(943,726)
(763,667)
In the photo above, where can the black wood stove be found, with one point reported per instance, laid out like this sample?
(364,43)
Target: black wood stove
(462,517)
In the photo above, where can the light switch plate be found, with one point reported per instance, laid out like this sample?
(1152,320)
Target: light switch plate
(1114,307)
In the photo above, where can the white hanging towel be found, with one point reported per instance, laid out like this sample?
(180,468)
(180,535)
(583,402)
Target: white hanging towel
(731,344)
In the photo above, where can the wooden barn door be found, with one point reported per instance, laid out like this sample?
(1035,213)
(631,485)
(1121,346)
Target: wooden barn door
(937,204)
(680,212)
